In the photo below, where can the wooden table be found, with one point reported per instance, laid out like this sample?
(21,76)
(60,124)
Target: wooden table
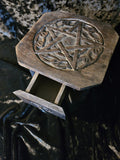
(69,50)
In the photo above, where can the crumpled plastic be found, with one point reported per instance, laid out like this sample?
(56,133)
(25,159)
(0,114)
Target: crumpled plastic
(90,129)
(90,132)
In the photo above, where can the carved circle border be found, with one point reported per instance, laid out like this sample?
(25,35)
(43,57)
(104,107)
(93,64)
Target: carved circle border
(69,19)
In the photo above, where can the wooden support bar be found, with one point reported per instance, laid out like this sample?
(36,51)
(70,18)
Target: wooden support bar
(35,76)
(59,95)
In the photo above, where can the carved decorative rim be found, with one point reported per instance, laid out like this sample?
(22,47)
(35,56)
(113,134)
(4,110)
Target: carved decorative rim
(68,44)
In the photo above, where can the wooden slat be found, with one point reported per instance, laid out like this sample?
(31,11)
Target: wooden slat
(59,95)
(40,103)
(35,76)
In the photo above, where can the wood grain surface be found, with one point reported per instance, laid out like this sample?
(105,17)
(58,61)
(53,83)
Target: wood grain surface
(94,51)
(40,103)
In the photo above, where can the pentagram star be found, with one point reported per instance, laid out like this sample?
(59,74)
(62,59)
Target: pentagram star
(57,40)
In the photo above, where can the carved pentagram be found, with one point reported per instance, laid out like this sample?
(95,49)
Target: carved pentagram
(68,44)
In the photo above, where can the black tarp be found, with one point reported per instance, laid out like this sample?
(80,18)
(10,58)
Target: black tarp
(91,130)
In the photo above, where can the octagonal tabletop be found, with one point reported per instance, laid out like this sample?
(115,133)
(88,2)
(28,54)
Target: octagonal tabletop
(70,49)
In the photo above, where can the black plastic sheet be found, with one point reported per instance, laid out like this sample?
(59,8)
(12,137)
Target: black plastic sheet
(91,130)
(91,127)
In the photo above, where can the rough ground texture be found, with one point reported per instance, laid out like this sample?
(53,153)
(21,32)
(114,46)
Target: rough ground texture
(92,128)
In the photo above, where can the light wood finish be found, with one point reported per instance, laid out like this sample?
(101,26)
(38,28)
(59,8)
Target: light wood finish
(35,76)
(40,103)
(59,95)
